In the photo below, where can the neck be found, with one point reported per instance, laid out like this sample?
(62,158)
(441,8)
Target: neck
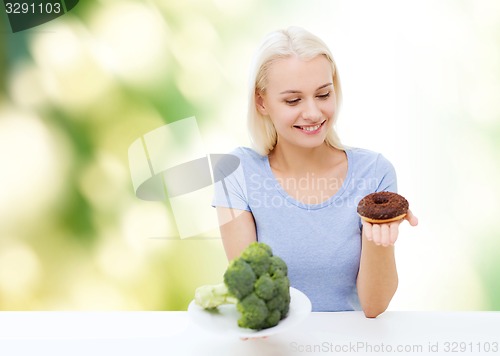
(299,160)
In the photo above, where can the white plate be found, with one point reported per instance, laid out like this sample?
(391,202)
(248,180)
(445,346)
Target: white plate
(224,320)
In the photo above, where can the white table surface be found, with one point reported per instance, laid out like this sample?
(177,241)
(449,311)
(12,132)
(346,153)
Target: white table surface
(173,333)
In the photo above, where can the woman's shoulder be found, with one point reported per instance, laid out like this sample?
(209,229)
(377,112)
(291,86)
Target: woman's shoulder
(366,157)
(247,154)
(238,157)
(363,153)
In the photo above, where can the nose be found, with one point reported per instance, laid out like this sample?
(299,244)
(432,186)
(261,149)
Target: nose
(312,111)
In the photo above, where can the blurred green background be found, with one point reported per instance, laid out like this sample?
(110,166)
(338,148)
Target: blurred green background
(421,83)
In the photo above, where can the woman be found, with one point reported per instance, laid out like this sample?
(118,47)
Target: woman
(298,189)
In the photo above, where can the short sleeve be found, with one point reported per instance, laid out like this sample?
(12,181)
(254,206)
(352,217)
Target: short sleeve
(385,170)
(229,182)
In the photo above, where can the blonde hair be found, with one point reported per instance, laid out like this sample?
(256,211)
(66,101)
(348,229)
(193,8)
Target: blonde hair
(277,45)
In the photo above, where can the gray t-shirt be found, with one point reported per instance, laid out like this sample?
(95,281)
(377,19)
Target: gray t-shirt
(321,243)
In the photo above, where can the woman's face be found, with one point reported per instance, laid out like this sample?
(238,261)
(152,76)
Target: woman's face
(300,100)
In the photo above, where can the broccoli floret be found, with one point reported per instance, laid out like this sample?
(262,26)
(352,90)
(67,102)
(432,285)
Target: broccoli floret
(273,318)
(253,311)
(278,267)
(281,301)
(265,287)
(239,278)
(258,256)
(257,282)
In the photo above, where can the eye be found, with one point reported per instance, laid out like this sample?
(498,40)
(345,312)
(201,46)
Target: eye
(324,96)
(292,101)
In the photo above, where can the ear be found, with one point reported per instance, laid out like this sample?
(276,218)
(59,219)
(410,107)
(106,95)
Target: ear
(259,103)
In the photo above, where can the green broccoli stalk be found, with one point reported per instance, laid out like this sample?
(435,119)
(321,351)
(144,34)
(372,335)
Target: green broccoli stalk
(211,296)
(257,282)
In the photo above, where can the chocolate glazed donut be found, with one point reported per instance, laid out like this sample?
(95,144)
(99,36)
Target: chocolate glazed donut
(382,207)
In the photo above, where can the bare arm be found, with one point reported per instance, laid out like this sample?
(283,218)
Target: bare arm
(237,228)
(378,278)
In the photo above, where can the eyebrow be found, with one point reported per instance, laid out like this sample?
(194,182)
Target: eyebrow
(298,91)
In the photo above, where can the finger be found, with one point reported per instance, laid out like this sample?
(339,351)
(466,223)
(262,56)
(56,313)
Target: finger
(394,232)
(385,235)
(412,219)
(367,229)
(376,237)
(253,338)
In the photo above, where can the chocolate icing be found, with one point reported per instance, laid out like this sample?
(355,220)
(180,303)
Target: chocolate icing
(382,206)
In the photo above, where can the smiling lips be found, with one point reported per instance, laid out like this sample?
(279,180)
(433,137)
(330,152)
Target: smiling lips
(310,129)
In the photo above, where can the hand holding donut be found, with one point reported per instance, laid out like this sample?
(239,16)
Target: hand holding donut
(381,214)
